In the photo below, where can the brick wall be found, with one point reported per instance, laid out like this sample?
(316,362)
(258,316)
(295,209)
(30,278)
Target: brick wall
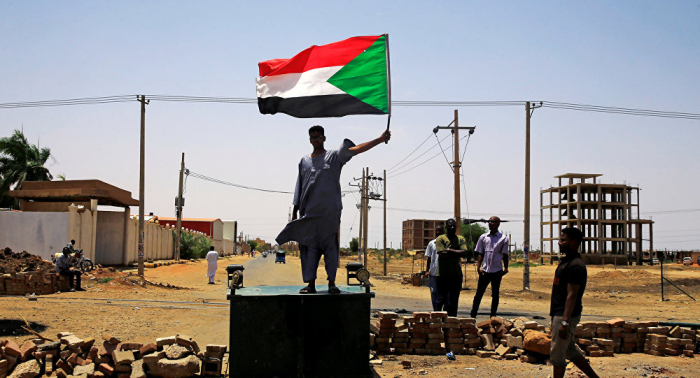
(38,282)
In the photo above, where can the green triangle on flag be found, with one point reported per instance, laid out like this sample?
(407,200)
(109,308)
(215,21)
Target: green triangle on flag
(365,77)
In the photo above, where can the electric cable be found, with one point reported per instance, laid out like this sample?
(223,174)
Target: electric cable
(443,153)
(419,156)
(402,160)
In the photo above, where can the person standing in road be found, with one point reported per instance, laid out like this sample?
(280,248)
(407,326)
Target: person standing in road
(317,200)
(492,265)
(450,249)
(566,305)
(212,264)
(431,253)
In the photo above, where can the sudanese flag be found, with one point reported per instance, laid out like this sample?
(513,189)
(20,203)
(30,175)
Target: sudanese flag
(334,80)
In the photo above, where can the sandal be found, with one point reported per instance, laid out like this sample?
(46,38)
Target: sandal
(333,290)
(308,290)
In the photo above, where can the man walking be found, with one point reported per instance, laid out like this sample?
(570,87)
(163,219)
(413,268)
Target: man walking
(450,248)
(566,307)
(212,264)
(492,264)
(431,253)
(318,204)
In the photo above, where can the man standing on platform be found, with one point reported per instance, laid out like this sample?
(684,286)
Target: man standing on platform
(492,265)
(450,248)
(317,200)
(431,253)
(212,264)
(566,307)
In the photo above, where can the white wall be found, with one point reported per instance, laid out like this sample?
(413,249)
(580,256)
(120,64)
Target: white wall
(38,233)
(109,245)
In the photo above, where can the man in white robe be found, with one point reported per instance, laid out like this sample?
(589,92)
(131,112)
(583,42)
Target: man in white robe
(212,258)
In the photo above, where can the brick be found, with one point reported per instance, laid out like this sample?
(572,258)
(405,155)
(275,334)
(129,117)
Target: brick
(12,349)
(88,343)
(27,349)
(110,339)
(484,354)
(388,315)
(122,357)
(163,341)
(107,369)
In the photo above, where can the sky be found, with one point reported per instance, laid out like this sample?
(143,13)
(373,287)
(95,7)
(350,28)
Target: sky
(633,54)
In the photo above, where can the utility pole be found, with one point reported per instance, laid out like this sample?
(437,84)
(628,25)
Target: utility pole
(178,211)
(362,218)
(456,165)
(384,195)
(142,181)
(365,229)
(526,222)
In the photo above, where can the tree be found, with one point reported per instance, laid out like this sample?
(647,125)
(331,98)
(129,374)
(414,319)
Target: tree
(471,233)
(20,161)
(354,244)
(193,246)
(253,244)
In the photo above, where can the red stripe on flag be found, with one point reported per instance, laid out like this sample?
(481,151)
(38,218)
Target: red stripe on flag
(330,55)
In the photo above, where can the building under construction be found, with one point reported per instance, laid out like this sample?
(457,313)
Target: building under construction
(417,233)
(607,214)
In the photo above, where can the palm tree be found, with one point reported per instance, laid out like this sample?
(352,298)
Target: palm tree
(20,161)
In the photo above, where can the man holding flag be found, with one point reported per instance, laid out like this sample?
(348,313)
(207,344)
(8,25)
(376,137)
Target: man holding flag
(317,201)
(334,80)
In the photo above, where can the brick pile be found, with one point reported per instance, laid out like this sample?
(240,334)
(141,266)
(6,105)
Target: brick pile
(433,333)
(71,356)
(36,282)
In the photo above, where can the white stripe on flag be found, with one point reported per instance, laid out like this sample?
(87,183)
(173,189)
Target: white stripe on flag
(310,83)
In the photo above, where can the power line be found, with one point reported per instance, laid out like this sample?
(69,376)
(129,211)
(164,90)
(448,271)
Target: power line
(217,181)
(419,156)
(402,160)
(245,100)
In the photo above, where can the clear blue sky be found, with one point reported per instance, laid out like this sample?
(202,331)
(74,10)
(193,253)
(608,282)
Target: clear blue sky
(641,54)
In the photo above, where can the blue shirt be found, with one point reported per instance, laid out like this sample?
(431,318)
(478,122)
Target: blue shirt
(318,196)
(492,247)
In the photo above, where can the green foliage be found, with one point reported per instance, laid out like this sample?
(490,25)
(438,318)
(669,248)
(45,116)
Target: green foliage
(355,245)
(20,161)
(105,279)
(193,246)
(471,233)
(390,254)
(253,244)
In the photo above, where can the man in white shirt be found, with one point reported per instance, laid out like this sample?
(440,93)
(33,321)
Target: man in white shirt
(492,264)
(432,255)
(212,260)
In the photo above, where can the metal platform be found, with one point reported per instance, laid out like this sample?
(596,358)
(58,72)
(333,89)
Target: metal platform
(277,332)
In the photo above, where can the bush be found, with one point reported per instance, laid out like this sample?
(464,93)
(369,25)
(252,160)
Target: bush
(193,246)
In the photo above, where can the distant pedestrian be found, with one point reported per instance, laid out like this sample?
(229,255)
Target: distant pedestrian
(492,265)
(566,305)
(212,264)
(450,248)
(431,253)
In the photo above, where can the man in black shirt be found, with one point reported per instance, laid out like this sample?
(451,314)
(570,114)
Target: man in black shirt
(565,309)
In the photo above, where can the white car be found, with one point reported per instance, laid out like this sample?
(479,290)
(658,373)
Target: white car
(687,261)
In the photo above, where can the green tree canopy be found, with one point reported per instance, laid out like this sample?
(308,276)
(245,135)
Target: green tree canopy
(471,233)
(354,244)
(20,161)
(253,244)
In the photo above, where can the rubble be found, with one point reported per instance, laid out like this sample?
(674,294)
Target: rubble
(76,357)
(434,333)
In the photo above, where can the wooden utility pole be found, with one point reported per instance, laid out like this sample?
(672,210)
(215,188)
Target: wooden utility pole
(529,108)
(384,195)
(455,168)
(360,239)
(366,214)
(456,165)
(178,205)
(142,181)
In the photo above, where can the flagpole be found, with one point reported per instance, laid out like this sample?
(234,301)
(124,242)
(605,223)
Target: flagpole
(388,82)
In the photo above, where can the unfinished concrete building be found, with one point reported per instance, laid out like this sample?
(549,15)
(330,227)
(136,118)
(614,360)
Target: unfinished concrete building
(607,214)
(417,233)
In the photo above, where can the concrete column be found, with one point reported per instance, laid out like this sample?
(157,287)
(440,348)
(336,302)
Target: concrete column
(93,237)
(73,223)
(125,237)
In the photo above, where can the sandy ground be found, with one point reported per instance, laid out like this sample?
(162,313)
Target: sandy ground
(138,313)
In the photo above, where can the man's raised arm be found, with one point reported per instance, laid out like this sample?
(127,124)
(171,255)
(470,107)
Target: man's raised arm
(360,148)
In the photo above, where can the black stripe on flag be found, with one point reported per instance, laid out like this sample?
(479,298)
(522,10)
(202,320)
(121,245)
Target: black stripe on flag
(316,106)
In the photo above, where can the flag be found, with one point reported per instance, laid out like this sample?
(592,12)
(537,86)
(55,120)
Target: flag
(334,80)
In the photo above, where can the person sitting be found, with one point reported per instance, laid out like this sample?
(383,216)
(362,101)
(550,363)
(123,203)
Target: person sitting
(63,267)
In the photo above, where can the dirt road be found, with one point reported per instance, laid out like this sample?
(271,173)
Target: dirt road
(136,313)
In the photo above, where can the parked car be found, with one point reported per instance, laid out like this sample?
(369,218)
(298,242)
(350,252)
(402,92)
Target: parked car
(654,261)
(687,261)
